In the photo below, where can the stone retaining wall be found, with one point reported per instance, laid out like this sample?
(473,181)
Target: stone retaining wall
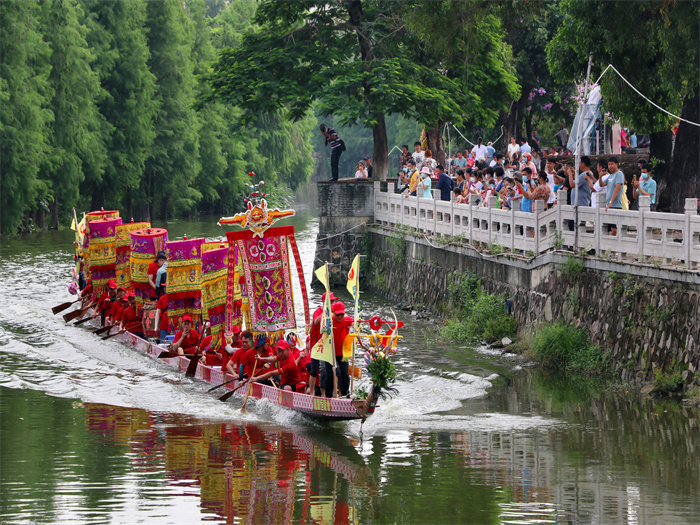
(645,316)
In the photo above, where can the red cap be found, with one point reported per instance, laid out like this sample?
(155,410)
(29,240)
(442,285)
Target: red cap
(186,318)
(282,344)
(112,284)
(236,329)
(130,295)
(338,308)
(333,297)
(121,288)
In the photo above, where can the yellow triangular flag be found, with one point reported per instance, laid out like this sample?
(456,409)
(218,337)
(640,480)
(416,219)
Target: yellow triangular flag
(323,350)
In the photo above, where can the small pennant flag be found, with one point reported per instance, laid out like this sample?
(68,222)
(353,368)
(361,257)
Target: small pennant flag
(323,350)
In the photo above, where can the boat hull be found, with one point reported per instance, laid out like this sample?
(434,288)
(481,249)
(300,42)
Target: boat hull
(329,409)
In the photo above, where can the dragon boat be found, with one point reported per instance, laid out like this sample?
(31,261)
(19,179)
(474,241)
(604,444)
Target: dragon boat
(243,281)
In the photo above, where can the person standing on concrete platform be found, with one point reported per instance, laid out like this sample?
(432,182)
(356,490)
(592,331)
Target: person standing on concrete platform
(337,148)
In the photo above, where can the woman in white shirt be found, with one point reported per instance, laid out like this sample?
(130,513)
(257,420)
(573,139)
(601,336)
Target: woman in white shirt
(361,172)
(513,147)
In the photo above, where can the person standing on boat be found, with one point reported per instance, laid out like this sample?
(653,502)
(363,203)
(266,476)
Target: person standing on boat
(162,320)
(187,339)
(161,277)
(314,336)
(286,368)
(341,328)
(153,272)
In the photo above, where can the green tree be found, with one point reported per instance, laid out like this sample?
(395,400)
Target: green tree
(118,38)
(173,164)
(342,55)
(654,46)
(24,95)
(78,131)
(470,64)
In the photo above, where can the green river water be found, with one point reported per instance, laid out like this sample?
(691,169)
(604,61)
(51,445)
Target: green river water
(93,432)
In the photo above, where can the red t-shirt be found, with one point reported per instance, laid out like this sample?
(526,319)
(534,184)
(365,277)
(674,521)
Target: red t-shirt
(152,270)
(104,298)
(288,371)
(162,305)
(340,332)
(115,310)
(236,357)
(315,332)
(131,319)
(210,358)
(188,345)
(249,362)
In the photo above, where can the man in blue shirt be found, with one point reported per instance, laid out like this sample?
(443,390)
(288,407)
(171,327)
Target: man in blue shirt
(491,152)
(646,186)
(524,146)
(444,183)
(615,187)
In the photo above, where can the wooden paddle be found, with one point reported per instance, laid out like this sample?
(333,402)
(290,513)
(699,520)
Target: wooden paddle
(112,335)
(250,387)
(61,307)
(192,367)
(72,315)
(230,392)
(102,330)
(165,355)
(85,320)
(222,384)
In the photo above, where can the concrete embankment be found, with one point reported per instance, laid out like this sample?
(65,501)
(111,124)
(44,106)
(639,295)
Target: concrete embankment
(645,316)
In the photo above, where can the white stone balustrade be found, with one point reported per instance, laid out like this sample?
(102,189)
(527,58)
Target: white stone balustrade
(671,237)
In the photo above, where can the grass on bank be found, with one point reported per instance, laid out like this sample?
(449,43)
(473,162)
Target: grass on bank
(566,347)
(477,316)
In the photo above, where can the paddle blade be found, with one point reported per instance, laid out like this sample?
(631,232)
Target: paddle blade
(112,335)
(227,395)
(61,307)
(72,315)
(81,321)
(192,367)
(102,330)
(165,354)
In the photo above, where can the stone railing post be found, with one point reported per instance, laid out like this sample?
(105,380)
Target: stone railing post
(598,229)
(690,209)
(472,205)
(643,204)
(538,208)
(514,206)
(492,203)
(561,200)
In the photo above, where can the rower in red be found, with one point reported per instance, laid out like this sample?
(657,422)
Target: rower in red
(187,339)
(117,306)
(230,350)
(130,319)
(287,368)
(233,363)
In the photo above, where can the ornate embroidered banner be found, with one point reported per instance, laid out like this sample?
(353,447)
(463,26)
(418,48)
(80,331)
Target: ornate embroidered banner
(267,278)
(89,217)
(103,256)
(184,279)
(145,245)
(214,278)
(124,251)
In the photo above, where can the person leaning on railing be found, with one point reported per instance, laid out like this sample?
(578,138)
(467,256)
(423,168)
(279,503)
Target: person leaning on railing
(615,187)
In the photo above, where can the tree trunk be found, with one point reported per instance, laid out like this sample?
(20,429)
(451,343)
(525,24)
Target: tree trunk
(435,143)
(129,206)
(164,208)
(528,128)
(380,153)
(513,121)
(685,169)
(54,214)
(660,154)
